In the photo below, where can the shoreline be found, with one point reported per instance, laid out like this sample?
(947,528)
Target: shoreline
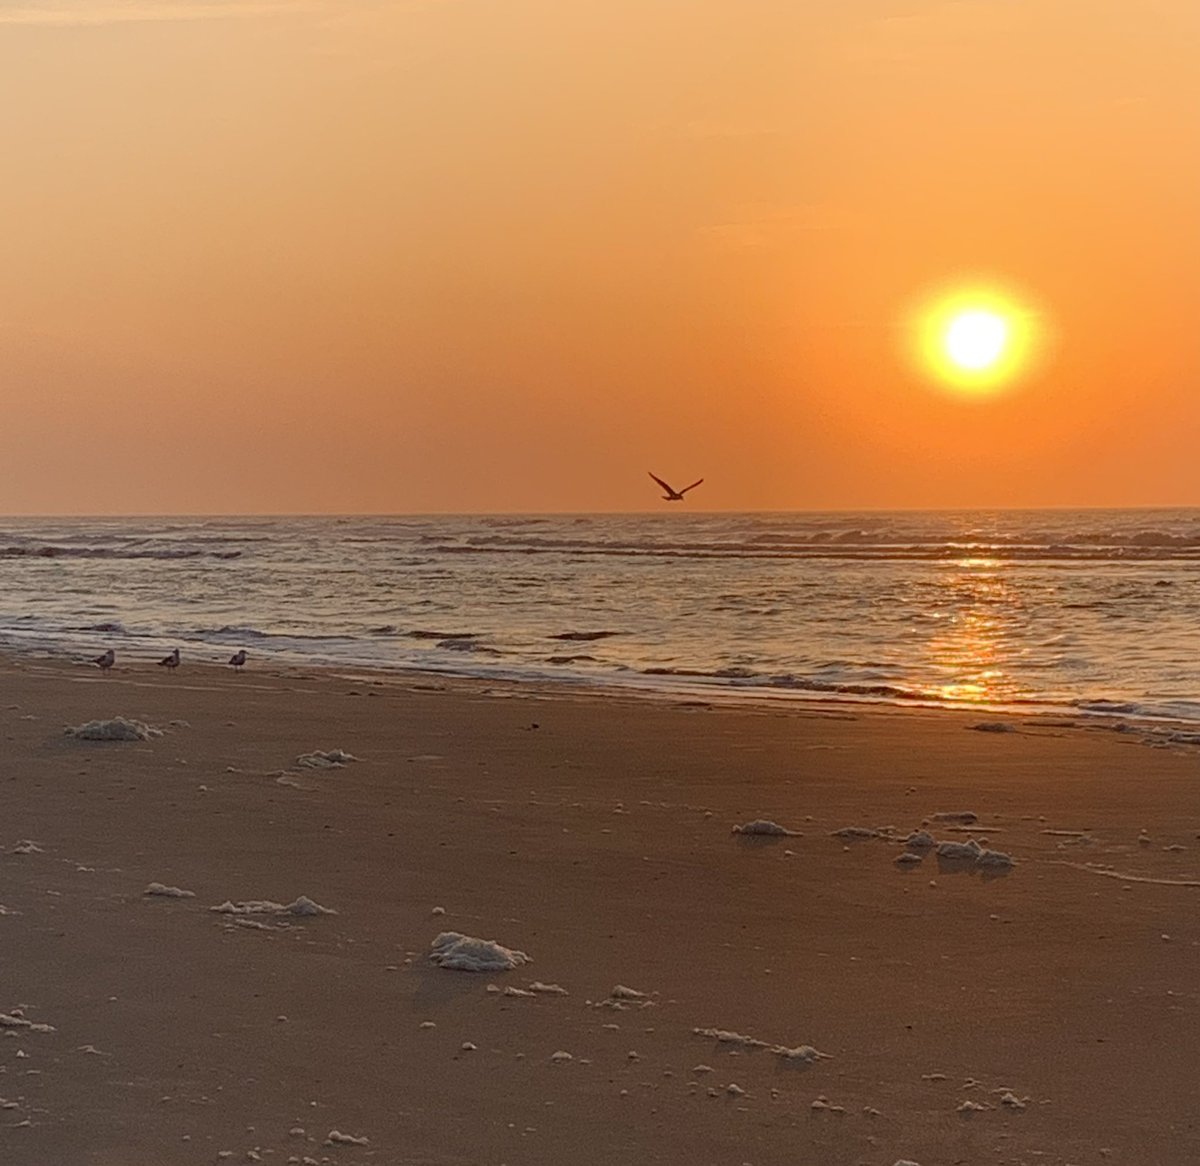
(569,688)
(599,843)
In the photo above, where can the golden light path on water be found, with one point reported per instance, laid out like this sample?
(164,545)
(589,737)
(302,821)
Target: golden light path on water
(972,645)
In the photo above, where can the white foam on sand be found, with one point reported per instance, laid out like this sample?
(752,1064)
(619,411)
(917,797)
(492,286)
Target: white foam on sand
(116,729)
(1009,1099)
(621,992)
(165,892)
(764,827)
(319,759)
(969,1107)
(971,851)
(1108,873)
(800,1054)
(301,907)
(26,846)
(622,998)
(466,953)
(16,1019)
(337,1138)
(823,1103)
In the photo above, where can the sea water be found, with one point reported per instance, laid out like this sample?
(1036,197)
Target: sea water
(1090,610)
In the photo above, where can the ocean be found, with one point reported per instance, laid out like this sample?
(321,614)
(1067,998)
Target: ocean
(1087,611)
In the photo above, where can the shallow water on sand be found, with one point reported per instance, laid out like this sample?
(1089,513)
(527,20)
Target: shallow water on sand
(1093,610)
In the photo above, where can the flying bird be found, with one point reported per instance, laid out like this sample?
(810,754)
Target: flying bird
(105,662)
(673,495)
(238,658)
(171,660)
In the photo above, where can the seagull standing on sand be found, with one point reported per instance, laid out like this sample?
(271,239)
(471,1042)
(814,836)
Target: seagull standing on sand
(238,659)
(171,660)
(673,495)
(105,662)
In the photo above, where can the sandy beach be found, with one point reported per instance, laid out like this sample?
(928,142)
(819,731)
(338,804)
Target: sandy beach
(726,998)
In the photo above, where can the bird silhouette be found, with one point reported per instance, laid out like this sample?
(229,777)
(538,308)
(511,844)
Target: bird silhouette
(171,660)
(238,659)
(106,661)
(673,495)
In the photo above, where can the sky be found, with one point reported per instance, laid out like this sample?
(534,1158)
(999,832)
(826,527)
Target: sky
(340,256)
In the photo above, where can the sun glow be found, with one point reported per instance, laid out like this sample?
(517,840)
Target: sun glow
(976,341)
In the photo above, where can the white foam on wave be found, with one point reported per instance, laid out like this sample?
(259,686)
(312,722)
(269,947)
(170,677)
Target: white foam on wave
(466,953)
(115,729)
(26,846)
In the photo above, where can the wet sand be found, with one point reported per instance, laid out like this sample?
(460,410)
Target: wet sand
(599,843)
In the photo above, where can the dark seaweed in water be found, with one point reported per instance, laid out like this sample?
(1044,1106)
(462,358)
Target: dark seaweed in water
(467,644)
(420,634)
(584,636)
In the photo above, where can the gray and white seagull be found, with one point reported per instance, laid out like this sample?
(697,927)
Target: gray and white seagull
(673,495)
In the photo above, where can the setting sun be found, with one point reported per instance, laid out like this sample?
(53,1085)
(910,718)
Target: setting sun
(976,341)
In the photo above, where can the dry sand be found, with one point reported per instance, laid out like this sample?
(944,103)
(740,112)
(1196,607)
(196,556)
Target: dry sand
(599,844)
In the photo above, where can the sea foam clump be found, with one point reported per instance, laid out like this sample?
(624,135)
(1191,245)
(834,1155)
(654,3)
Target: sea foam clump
(16,1019)
(116,729)
(466,953)
(971,851)
(766,828)
(165,892)
(302,907)
(319,759)
(800,1055)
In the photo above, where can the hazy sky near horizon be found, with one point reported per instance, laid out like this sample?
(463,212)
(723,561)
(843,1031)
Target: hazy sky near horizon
(457,255)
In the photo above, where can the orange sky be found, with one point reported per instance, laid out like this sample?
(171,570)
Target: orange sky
(460,255)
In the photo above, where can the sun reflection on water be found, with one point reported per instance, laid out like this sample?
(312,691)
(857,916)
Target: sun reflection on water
(972,646)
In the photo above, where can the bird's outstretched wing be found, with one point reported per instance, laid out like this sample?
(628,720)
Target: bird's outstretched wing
(692,486)
(661,483)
